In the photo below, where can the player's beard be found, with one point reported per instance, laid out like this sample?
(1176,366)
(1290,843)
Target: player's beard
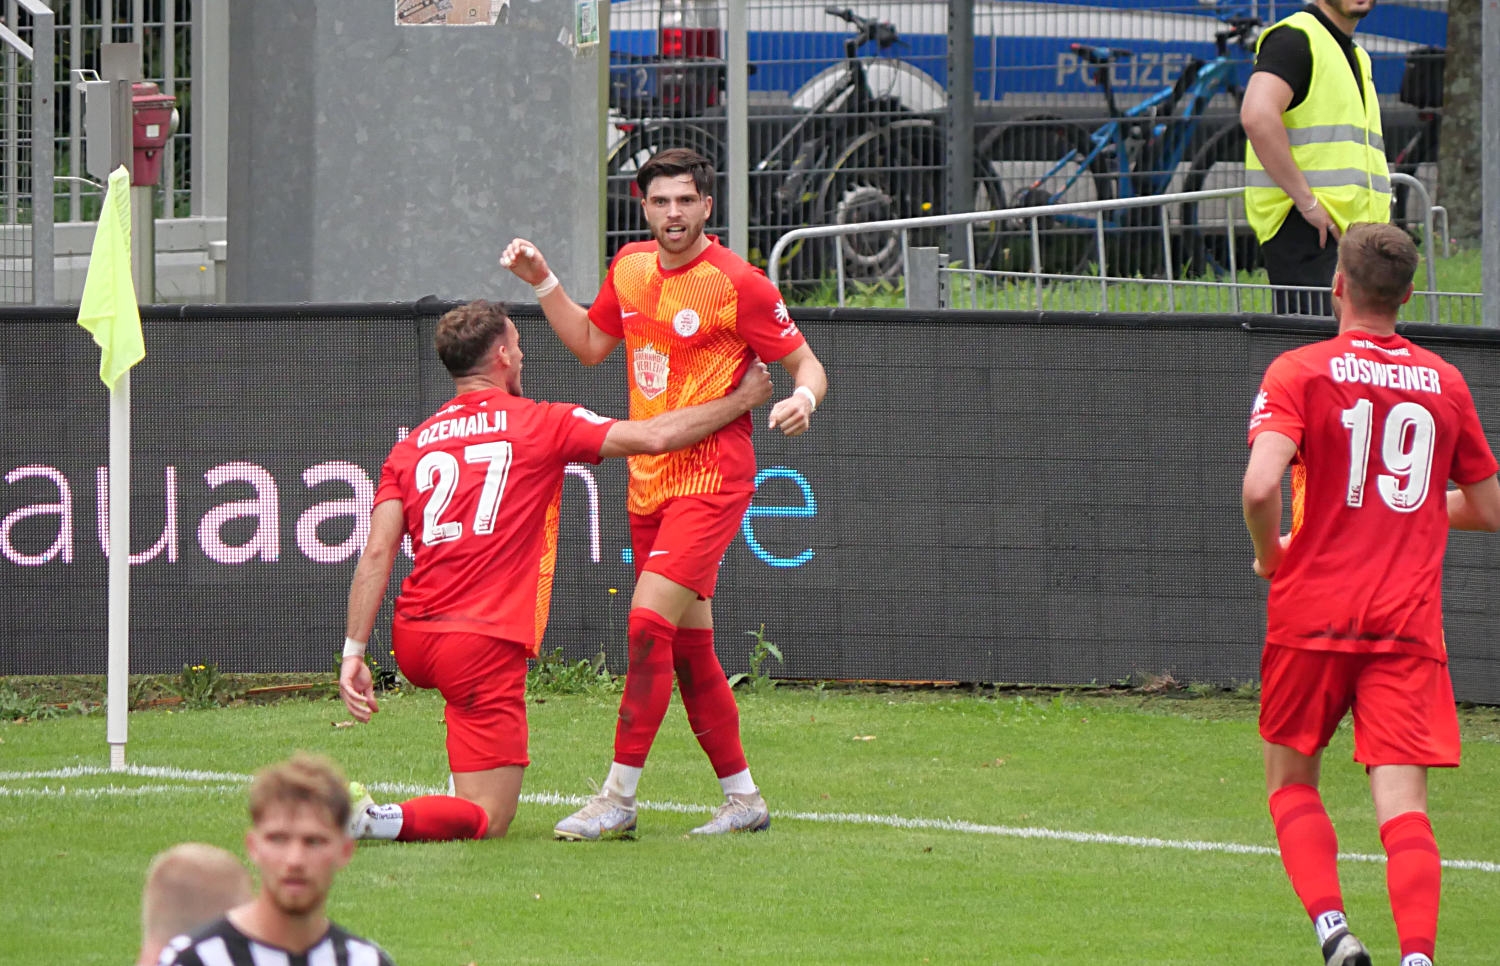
(308,901)
(685,243)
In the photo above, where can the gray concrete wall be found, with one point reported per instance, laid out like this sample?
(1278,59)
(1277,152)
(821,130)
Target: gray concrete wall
(369,161)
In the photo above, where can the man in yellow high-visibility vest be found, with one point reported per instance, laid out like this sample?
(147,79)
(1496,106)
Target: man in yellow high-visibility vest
(1315,162)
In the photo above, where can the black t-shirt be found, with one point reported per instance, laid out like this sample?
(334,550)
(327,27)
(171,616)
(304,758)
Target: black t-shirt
(1288,55)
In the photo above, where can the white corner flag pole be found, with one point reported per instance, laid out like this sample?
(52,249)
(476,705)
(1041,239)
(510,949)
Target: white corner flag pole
(110,311)
(118,692)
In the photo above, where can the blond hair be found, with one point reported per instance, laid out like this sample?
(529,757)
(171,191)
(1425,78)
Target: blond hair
(188,886)
(304,779)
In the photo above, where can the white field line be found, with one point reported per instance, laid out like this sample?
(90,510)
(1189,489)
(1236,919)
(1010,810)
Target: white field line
(211,781)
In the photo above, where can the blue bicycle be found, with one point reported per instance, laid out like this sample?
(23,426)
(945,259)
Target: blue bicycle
(1136,153)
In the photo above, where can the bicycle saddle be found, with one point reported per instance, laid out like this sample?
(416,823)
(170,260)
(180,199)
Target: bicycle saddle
(1099,55)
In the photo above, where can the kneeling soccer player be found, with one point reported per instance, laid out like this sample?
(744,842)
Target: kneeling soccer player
(477,488)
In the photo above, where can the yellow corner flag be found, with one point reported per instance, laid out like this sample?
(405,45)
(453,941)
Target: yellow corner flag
(109,309)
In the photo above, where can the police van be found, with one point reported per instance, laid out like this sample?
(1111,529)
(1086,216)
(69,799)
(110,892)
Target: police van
(1022,50)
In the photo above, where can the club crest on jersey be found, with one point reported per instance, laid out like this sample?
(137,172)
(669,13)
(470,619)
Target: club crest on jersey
(651,370)
(686,322)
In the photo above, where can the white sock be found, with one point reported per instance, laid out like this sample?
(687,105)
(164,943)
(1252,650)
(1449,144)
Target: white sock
(622,780)
(1415,959)
(738,784)
(1329,923)
(382,822)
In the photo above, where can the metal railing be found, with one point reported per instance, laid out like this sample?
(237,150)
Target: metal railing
(1033,215)
(26,166)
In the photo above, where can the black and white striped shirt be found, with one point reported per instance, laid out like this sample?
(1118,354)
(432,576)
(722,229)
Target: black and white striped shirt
(221,944)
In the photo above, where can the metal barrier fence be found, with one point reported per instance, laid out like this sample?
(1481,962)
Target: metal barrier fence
(1201,232)
(26,159)
(851,119)
(833,139)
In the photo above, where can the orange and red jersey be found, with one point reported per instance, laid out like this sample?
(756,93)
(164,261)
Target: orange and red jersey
(480,485)
(690,333)
(1381,426)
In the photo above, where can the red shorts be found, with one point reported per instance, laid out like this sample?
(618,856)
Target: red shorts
(483,682)
(1403,705)
(686,538)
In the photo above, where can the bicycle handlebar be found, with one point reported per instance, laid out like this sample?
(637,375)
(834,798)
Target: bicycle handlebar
(882,32)
(1240,29)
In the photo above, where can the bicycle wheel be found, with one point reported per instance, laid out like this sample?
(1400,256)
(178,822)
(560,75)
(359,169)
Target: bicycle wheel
(989,195)
(895,171)
(1204,237)
(782,197)
(624,220)
(1016,158)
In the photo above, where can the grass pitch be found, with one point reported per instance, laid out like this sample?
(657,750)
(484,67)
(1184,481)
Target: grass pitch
(908,828)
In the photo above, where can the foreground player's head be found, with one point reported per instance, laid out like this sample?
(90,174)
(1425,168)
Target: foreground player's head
(299,838)
(676,197)
(480,346)
(188,886)
(1373,278)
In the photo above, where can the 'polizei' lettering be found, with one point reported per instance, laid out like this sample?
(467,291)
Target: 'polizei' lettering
(475,424)
(1387,375)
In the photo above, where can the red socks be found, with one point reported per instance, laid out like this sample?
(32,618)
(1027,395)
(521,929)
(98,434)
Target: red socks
(441,818)
(1414,878)
(1413,872)
(657,650)
(1309,848)
(648,686)
(709,702)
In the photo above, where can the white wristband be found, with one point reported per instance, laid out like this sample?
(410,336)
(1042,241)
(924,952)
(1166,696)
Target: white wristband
(1309,207)
(546,285)
(353,648)
(812,399)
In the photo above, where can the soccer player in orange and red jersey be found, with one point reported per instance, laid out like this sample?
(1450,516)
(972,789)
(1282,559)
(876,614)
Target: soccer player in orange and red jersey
(477,487)
(1373,428)
(692,315)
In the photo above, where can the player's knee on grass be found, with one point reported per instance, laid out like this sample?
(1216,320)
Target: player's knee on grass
(500,818)
(497,791)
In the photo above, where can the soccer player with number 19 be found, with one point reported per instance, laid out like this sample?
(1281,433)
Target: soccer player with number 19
(1372,427)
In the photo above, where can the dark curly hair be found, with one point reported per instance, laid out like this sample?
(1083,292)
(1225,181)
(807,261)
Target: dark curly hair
(673,162)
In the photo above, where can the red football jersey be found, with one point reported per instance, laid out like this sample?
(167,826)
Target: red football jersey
(480,485)
(690,334)
(1381,426)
